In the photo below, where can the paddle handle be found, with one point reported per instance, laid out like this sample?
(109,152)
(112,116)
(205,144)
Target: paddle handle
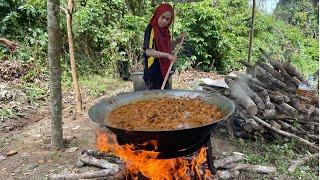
(171,63)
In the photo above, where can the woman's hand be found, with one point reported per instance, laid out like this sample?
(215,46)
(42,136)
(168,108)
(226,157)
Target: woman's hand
(171,57)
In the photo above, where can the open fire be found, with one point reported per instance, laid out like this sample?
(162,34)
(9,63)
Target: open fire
(146,162)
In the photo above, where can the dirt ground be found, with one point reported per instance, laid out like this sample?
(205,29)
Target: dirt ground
(32,157)
(29,142)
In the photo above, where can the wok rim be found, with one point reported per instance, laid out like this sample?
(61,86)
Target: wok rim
(131,131)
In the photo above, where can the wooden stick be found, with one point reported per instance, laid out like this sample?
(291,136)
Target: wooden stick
(251,168)
(284,133)
(227,174)
(224,161)
(86,175)
(295,163)
(98,162)
(170,67)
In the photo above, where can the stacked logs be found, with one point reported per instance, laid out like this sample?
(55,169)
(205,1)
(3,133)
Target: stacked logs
(269,103)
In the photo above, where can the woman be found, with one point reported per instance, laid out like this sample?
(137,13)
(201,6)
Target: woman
(157,47)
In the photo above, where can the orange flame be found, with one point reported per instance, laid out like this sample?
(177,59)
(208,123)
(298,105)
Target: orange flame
(148,165)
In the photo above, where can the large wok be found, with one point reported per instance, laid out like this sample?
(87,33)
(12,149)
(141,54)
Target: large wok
(168,141)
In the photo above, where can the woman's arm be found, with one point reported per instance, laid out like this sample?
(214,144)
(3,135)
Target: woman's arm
(159,54)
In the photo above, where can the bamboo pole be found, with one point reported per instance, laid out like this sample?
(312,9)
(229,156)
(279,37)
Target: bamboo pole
(170,67)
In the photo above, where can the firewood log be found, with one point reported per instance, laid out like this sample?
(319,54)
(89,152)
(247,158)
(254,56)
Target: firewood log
(293,71)
(98,162)
(243,99)
(283,111)
(302,98)
(284,133)
(277,75)
(314,137)
(276,98)
(275,124)
(227,174)
(272,82)
(279,66)
(269,112)
(224,161)
(291,110)
(263,93)
(296,163)
(258,101)
(296,81)
(297,104)
(253,123)
(287,126)
(257,82)
(312,110)
(251,168)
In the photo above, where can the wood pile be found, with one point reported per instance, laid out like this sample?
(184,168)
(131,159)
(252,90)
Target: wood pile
(269,102)
(109,166)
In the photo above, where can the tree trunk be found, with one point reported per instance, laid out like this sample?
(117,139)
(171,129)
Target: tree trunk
(55,72)
(72,59)
(251,30)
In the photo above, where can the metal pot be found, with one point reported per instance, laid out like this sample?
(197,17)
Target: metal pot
(168,141)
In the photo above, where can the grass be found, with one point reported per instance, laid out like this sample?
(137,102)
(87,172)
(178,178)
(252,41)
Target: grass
(34,91)
(98,85)
(279,155)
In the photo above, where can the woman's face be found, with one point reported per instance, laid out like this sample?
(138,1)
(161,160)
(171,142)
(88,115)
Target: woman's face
(164,19)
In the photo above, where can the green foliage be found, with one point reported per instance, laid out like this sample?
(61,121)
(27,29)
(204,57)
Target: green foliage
(25,23)
(34,91)
(108,35)
(204,41)
(302,14)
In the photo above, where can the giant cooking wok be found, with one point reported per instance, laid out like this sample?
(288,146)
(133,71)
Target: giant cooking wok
(168,141)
